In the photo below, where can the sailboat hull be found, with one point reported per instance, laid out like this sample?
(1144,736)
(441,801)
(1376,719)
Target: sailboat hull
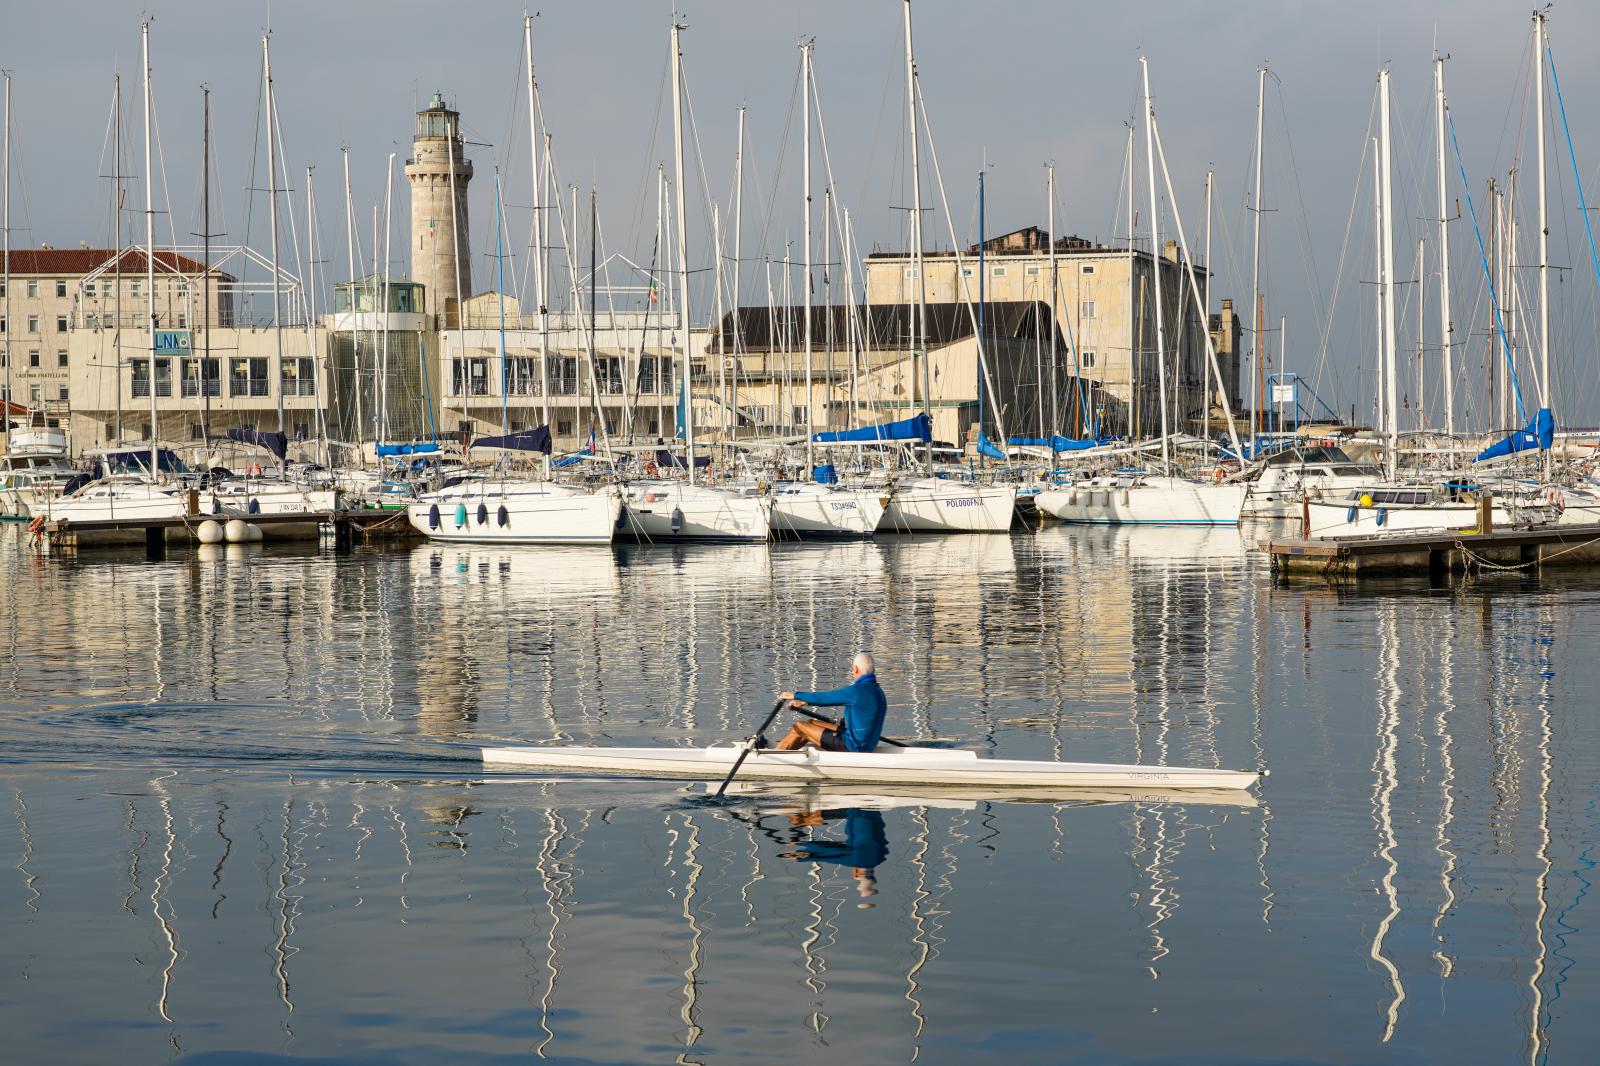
(819,511)
(935,505)
(513,513)
(1149,501)
(672,511)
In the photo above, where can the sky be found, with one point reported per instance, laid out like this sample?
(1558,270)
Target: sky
(1010,85)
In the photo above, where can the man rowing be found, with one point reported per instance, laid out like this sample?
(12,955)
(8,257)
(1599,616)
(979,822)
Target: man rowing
(858,728)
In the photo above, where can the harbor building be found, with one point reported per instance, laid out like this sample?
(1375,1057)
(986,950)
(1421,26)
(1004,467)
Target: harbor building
(1105,310)
(439,173)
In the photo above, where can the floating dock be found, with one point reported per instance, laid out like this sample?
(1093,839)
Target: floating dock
(1437,553)
(156,533)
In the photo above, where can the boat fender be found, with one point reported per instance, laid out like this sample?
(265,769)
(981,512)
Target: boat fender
(1383,515)
(433,517)
(677,519)
(1366,499)
(254,507)
(1350,515)
(216,505)
(461,515)
(483,514)
(1124,497)
(1072,498)
(503,518)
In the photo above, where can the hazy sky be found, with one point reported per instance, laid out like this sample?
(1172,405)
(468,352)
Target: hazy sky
(1016,83)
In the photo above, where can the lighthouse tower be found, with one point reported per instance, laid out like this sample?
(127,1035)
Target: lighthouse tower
(439,174)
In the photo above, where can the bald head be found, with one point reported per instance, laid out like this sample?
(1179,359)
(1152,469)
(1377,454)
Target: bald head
(862,663)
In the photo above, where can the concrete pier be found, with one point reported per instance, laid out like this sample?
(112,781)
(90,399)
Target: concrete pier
(1437,553)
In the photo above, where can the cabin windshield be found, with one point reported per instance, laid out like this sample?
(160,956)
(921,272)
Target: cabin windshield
(138,462)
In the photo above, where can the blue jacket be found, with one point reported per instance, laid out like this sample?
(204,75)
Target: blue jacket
(864,707)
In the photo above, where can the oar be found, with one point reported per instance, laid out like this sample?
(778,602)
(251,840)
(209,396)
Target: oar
(749,746)
(830,721)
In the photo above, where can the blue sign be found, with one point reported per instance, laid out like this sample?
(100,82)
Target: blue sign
(174,341)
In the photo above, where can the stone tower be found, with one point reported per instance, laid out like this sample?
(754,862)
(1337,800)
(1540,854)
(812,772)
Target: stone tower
(440,256)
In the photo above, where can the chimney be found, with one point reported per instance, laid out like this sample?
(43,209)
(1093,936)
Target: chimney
(1170,252)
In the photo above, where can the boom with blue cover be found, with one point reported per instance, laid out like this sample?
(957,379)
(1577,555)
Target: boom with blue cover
(987,447)
(1058,443)
(918,428)
(1538,434)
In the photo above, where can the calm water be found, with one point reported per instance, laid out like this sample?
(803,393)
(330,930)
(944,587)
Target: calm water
(246,820)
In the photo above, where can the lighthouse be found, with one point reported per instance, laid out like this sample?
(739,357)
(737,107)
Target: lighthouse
(439,174)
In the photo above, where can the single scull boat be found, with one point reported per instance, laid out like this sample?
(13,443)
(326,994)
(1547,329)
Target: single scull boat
(907,766)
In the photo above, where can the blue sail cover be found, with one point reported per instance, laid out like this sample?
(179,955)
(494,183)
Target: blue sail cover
(1058,443)
(424,448)
(986,447)
(276,443)
(918,428)
(528,440)
(1538,434)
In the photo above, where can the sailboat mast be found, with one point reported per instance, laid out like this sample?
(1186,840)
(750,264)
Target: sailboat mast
(205,278)
(659,291)
(1255,263)
(388,237)
(149,244)
(5,251)
(919,338)
(805,223)
(683,249)
(1546,400)
(1055,328)
(116,227)
(500,291)
(738,233)
(537,180)
(355,299)
(311,312)
(1446,325)
(272,212)
(1391,380)
(1155,269)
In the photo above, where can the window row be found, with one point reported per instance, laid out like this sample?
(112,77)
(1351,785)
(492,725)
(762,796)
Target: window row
(33,324)
(247,376)
(36,359)
(473,376)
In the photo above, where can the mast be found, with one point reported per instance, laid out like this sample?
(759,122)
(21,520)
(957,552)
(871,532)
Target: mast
(738,232)
(272,211)
(1155,270)
(1422,381)
(805,200)
(542,253)
(683,248)
(205,278)
(919,338)
(1391,382)
(1446,326)
(149,244)
(5,251)
(981,301)
(311,313)
(1055,328)
(388,237)
(500,288)
(659,291)
(1205,315)
(1255,268)
(1539,17)
(355,297)
(116,225)
(536,178)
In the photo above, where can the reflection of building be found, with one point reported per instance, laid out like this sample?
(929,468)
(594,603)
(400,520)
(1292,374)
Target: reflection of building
(1105,301)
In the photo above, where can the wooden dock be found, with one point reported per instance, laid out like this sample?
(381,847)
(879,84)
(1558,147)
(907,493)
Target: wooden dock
(155,534)
(1437,553)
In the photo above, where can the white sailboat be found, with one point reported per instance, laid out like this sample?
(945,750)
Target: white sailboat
(944,505)
(807,509)
(517,511)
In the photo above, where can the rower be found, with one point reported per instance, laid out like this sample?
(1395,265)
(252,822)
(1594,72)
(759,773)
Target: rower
(862,723)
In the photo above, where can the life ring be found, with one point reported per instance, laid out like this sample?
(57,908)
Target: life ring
(37,525)
(1219,475)
(255,469)
(650,469)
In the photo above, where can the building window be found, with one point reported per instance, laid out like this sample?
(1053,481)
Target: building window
(63,394)
(299,377)
(1086,360)
(966,272)
(302,430)
(522,375)
(608,375)
(91,321)
(202,377)
(88,289)
(1087,268)
(564,426)
(911,272)
(518,425)
(655,426)
(33,393)
(655,376)
(61,289)
(61,323)
(138,288)
(183,321)
(61,358)
(1088,309)
(247,377)
(197,431)
(469,377)
(33,323)
(33,357)
(141,377)
(564,375)
(1033,272)
(33,289)
(999,272)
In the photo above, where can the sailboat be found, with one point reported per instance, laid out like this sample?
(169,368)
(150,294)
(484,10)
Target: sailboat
(665,508)
(1165,498)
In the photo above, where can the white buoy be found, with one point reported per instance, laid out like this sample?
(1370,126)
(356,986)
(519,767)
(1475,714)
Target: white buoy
(252,533)
(235,531)
(210,532)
